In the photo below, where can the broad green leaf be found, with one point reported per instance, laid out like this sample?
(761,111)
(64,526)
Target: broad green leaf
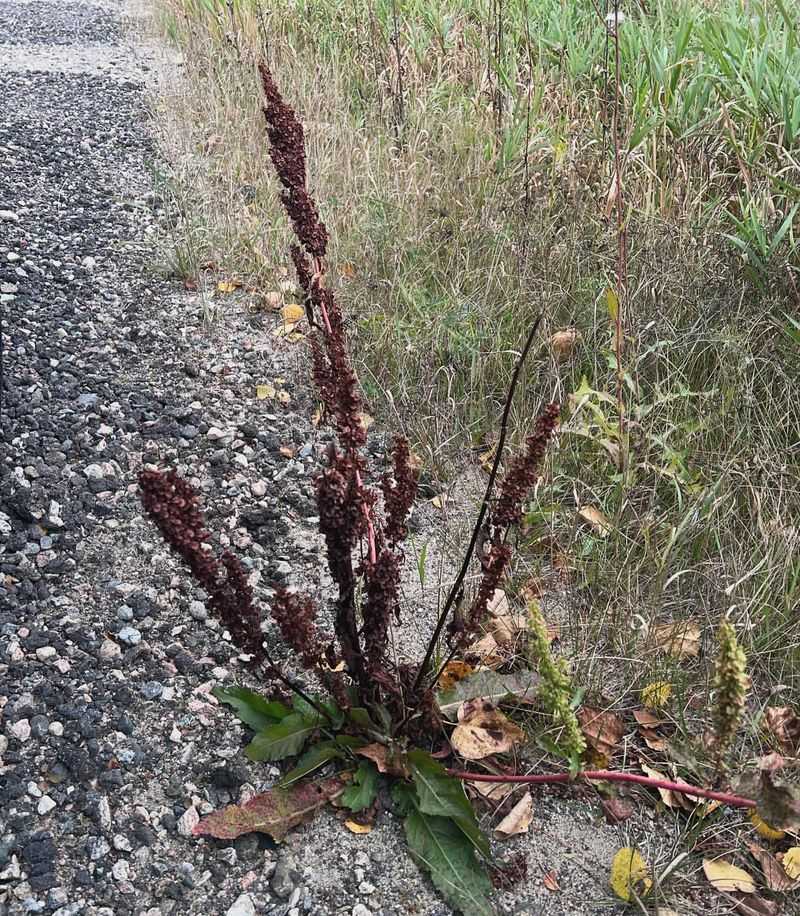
(304,708)
(362,790)
(313,758)
(443,796)
(251,708)
(282,739)
(362,719)
(274,812)
(442,849)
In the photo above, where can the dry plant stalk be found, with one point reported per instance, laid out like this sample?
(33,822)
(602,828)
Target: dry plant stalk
(364,526)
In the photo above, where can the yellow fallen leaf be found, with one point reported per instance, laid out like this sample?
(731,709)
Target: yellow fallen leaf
(365,420)
(596,519)
(439,501)
(264,391)
(348,271)
(764,830)
(284,330)
(727,877)
(629,874)
(355,827)
(284,397)
(227,286)
(656,695)
(518,819)
(791,862)
(292,313)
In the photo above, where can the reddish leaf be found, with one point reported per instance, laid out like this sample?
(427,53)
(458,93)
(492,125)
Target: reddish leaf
(274,812)
(602,729)
(550,880)
(617,810)
(384,759)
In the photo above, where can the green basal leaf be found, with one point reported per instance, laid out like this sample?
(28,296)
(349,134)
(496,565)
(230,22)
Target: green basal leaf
(443,796)
(251,708)
(361,792)
(361,717)
(304,708)
(404,798)
(441,848)
(313,758)
(284,739)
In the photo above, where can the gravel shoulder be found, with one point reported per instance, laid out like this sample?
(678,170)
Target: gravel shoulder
(110,744)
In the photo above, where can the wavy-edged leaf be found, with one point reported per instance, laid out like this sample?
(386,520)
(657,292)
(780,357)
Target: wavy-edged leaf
(274,812)
(442,795)
(361,792)
(283,739)
(522,685)
(312,760)
(250,707)
(442,849)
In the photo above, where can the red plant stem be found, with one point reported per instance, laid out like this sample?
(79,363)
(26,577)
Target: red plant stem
(735,801)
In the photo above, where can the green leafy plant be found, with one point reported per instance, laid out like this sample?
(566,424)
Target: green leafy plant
(375,719)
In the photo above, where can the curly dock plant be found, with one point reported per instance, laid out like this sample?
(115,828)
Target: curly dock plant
(374,717)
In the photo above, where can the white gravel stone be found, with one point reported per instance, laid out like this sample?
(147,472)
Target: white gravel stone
(188,821)
(43,653)
(46,805)
(20,730)
(242,906)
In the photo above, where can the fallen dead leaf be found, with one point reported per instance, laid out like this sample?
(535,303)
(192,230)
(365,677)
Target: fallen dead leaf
(751,905)
(292,313)
(562,343)
(680,639)
(454,671)
(629,873)
(283,396)
(647,718)
(671,799)
(273,300)
(384,760)
(287,451)
(775,874)
(774,787)
(598,521)
(365,420)
(483,730)
(653,740)
(265,392)
(784,725)
(725,876)
(602,729)
(228,286)
(791,862)
(518,819)
(440,500)
(494,791)
(284,330)
(486,652)
(617,810)
(550,880)
(274,812)
(355,827)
